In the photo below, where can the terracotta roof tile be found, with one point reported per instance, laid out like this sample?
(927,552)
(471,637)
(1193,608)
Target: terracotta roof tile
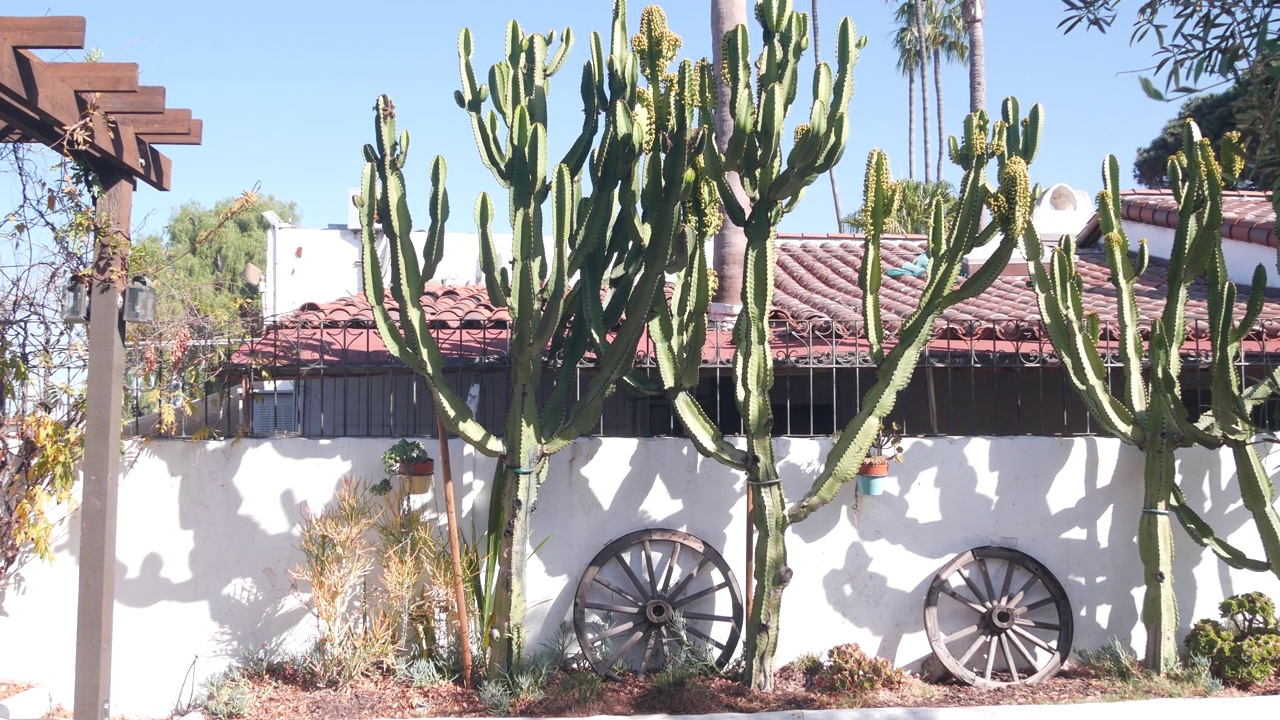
(815,295)
(1247,216)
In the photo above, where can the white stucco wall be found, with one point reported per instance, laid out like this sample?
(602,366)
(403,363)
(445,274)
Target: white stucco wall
(207,541)
(1242,257)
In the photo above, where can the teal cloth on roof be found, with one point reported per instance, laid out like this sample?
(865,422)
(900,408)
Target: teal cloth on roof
(915,268)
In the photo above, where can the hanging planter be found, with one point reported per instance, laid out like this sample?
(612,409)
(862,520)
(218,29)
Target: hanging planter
(872,474)
(409,460)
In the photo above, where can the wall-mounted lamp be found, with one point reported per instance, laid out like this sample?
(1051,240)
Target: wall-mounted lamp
(140,301)
(75,302)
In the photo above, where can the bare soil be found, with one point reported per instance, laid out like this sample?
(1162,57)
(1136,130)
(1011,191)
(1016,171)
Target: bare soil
(573,694)
(8,690)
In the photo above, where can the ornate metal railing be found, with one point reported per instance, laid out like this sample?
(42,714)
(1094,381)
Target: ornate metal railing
(997,377)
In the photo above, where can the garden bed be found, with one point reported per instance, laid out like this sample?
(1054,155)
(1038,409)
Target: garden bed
(8,690)
(278,696)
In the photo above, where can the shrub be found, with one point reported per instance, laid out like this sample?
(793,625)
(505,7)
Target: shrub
(226,695)
(848,669)
(1113,661)
(1245,649)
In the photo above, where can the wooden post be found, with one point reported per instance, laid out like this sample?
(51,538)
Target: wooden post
(751,542)
(101,464)
(455,552)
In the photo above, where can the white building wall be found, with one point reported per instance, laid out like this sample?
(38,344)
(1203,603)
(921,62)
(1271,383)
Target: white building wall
(207,540)
(1242,257)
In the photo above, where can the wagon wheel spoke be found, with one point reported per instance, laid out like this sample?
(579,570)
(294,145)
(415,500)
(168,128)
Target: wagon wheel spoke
(699,634)
(1038,604)
(631,574)
(1008,581)
(973,647)
(614,632)
(962,600)
(671,564)
(1030,649)
(684,581)
(701,593)
(973,588)
(991,656)
(648,650)
(609,607)
(1022,650)
(1008,657)
(1032,639)
(648,567)
(630,643)
(615,588)
(966,632)
(986,581)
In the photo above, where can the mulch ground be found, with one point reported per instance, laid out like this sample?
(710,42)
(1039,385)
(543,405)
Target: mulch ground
(8,690)
(572,694)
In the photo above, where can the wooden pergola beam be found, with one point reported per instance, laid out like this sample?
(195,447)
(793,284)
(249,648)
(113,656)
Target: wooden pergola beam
(49,33)
(32,98)
(192,136)
(169,122)
(96,77)
(146,99)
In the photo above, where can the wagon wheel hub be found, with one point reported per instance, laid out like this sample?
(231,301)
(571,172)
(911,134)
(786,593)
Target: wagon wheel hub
(658,611)
(1001,617)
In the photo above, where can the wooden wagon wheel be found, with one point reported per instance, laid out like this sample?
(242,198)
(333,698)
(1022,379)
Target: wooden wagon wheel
(642,588)
(1005,618)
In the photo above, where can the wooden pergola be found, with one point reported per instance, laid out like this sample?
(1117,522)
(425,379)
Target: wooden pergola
(120,123)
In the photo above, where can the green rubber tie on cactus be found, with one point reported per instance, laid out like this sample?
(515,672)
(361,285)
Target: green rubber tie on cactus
(1155,511)
(517,470)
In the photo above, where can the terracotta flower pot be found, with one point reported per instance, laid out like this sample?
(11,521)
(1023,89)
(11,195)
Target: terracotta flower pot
(874,469)
(871,477)
(417,476)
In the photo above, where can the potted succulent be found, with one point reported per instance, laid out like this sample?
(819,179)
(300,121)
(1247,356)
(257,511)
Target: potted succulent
(886,444)
(410,460)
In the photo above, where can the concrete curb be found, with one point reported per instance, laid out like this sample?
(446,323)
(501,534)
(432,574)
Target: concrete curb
(1241,707)
(27,705)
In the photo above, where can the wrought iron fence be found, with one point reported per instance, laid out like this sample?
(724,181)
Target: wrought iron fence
(337,379)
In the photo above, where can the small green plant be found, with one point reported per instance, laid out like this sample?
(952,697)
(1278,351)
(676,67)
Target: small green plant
(496,696)
(403,453)
(226,695)
(1245,649)
(685,661)
(885,445)
(850,670)
(421,673)
(1113,661)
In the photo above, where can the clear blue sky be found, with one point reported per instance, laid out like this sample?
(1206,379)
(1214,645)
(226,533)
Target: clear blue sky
(285,89)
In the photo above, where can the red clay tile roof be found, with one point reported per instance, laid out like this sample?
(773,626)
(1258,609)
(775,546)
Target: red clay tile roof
(1247,216)
(815,296)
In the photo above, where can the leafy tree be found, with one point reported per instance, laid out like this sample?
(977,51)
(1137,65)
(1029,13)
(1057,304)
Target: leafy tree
(1205,44)
(202,300)
(1214,113)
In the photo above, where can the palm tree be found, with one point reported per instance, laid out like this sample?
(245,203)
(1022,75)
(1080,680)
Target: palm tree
(918,16)
(944,36)
(914,215)
(973,11)
(907,44)
(817,58)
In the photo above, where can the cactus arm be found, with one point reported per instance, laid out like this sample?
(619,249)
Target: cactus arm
(553,312)
(1122,279)
(1259,495)
(488,254)
(1063,323)
(471,98)
(1203,534)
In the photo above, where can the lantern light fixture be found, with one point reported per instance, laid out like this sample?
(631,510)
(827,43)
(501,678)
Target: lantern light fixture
(140,301)
(75,301)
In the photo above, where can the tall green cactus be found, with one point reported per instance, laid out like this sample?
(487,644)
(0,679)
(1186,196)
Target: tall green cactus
(1150,413)
(610,247)
(774,182)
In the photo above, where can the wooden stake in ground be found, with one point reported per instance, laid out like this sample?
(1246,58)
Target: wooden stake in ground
(455,553)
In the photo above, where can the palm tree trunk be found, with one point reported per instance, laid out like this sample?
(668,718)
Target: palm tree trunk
(974,11)
(835,191)
(924,84)
(937,84)
(730,245)
(911,124)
